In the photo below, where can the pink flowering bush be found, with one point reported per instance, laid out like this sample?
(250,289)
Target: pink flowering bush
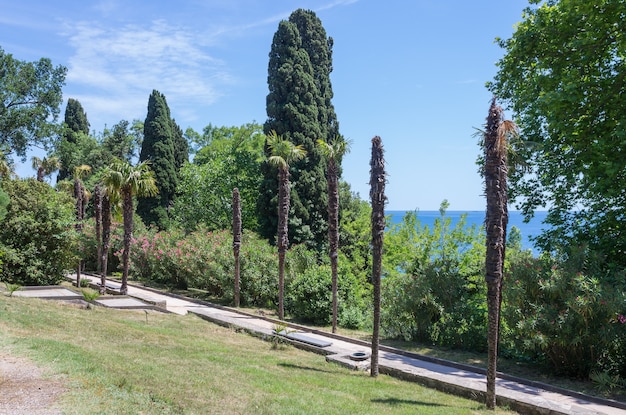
(204,260)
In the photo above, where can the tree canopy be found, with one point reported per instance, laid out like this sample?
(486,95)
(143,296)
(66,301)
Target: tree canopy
(30,96)
(163,146)
(230,158)
(299,109)
(563,76)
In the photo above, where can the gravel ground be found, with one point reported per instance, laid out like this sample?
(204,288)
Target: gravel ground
(24,390)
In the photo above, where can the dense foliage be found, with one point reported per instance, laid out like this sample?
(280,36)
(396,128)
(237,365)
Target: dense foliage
(568,313)
(299,110)
(75,128)
(38,241)
(434,289)
(165,148)
(229,157)
(30,96)
(563,77)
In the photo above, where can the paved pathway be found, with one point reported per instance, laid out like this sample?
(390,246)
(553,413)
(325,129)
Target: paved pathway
(524,397)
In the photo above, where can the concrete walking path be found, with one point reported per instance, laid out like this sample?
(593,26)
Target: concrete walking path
(519,395)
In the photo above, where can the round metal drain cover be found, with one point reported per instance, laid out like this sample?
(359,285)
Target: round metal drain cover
(359,356)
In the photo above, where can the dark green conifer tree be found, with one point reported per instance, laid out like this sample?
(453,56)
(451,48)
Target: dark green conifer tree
(162,148)
(75,122)
(299,109)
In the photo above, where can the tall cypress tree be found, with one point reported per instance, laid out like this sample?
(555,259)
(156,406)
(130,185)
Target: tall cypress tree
(162,148)
(75,122)
(299,109)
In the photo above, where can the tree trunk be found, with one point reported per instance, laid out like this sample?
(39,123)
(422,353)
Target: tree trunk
(127,206)
(106,240)
(283,237)
(236,239)
(79,192)
(333,231)
(495,171)
(377,195)
(40,173)
(97,201)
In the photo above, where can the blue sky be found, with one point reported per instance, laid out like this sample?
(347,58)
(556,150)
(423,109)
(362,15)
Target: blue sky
(412,72)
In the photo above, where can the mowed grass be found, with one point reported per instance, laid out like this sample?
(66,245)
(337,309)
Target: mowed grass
(127,362)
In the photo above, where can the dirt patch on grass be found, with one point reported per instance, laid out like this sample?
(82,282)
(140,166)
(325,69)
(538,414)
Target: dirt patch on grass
(24,390)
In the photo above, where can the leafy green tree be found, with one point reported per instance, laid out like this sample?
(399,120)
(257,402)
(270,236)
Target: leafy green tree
(282,152)
(123,140)
(84,150)
(129,181)
(75,128)
(562,75)
(30,96)
(37,235)
(162,146)
(333,152)
(230,157)
(378,178)
(299,108)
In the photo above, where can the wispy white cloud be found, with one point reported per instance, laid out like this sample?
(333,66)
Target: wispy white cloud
(120,66)
(335,4)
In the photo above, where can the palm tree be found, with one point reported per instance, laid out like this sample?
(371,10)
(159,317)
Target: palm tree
(236,239)
(128,181)
(333,152)
(495,171)
(81,201)
(97,204)
(282,152)
(106,237)
(377,195)
(45,166)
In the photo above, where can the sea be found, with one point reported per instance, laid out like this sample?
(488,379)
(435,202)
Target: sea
(533,228)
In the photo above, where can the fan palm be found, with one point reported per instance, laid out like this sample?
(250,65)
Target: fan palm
(495,172)
(128,181)
(81,195)
(378,199)
(45,166)
(282,152)
(236,239)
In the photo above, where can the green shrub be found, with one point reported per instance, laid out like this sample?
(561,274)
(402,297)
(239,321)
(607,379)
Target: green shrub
(309,292)
(39,243)
(433,289)
(567,312)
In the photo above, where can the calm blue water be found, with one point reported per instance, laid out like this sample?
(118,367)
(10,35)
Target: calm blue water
(532,228)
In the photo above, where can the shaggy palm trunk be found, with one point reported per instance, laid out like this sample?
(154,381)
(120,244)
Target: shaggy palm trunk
(97,201)
(333,231)
(377,195)
(40,173)
(236,239)
(283,237)
(79,193)
(495,171)
(106,240)
(127,208)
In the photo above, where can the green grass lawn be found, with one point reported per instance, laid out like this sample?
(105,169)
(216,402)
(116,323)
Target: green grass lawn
(127,362)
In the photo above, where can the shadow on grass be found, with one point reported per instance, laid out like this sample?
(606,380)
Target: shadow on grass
(313,369)
(396,401)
